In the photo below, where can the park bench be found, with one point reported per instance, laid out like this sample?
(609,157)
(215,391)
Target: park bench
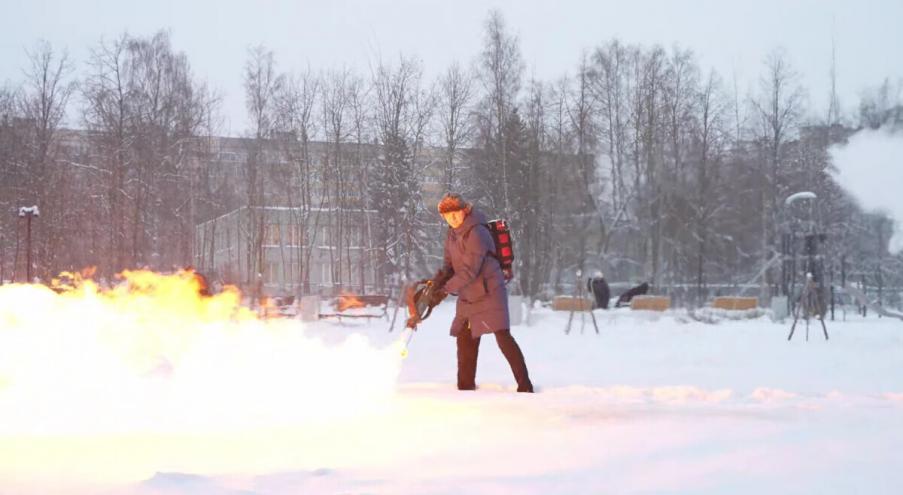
(359,306)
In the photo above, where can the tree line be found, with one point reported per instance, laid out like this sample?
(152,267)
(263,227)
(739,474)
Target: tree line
(640,163)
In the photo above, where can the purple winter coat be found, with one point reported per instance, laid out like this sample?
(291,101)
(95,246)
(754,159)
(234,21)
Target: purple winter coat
(476,278)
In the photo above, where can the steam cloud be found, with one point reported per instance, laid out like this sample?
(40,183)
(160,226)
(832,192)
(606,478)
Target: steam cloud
(870,167)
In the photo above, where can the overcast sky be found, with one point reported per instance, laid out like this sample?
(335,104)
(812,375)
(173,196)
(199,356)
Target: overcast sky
(731,36)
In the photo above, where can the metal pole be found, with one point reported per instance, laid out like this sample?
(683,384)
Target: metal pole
(843,270)
(832,302)
(16,254)
(880,280)
(26,212)
(864,291)
(28,247)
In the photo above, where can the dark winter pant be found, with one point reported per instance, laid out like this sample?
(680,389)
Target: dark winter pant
(469,347)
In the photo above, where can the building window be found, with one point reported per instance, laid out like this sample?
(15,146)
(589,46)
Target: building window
(355,236)
(295,235)
(295,273)
(273,273)
(271,236)
(323,237)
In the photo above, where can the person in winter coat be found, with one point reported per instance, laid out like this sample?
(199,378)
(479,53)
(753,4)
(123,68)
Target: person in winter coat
(598,287)
(639,290)
(472,272)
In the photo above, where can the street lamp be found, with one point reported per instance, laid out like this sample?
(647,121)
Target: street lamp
(28,212)
(788,249)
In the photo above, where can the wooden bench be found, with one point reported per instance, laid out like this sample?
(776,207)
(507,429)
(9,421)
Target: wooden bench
(650,303)
(570,303)
(346,303)
(735,303)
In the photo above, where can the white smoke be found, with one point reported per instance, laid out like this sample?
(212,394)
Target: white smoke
(870,168)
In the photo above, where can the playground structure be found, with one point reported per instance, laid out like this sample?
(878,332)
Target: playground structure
(804,277)
(802,259)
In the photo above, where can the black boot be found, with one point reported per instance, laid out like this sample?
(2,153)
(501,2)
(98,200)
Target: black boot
(468,348)
(515,358)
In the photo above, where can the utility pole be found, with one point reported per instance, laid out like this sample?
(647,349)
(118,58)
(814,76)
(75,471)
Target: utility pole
(28,212)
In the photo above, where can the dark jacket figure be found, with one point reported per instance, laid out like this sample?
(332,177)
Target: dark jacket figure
(598,287)
(639,290)
(471,271)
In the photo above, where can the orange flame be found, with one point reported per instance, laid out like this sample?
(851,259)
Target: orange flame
(348,301)
(85,368)
(155,340)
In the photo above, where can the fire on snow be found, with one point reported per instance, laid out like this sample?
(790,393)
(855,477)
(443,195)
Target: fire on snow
(152,355)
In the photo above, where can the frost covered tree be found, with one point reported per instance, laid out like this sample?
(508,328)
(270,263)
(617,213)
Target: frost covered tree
(500,72)
(582,112)
(455,95)
(402,111)
(882,105)
(709,136)
(334,171)
(145,112)
(778,108)
(262,84)
(295,110)
(42,104)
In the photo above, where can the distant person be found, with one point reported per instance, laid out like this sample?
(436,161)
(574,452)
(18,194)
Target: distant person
(625,298)
(598,287)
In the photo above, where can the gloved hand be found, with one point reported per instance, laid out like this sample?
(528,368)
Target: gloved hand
(442,276)
(437,295)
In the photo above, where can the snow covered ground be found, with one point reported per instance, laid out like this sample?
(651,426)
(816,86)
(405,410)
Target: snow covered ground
(655,403)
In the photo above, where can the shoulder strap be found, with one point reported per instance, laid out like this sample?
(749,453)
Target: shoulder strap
(494,247)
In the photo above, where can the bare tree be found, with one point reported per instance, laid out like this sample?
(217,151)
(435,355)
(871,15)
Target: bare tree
(679,98)
(296,120)
(709,137)
(364,228)
(501,69)
(354,183)
(336,108)
(43,103)
(882,105)
(11,170)
(145,112)
(610,84)
(649,100)
(170,110)
(107,113)
(582,114)
(535,206)
(681,81)
(778,108)
(401,116)
(456,93)
(262,85)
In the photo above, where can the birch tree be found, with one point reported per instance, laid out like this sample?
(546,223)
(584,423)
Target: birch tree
(262,84)
(456,93)
(778,108)
(500,71)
